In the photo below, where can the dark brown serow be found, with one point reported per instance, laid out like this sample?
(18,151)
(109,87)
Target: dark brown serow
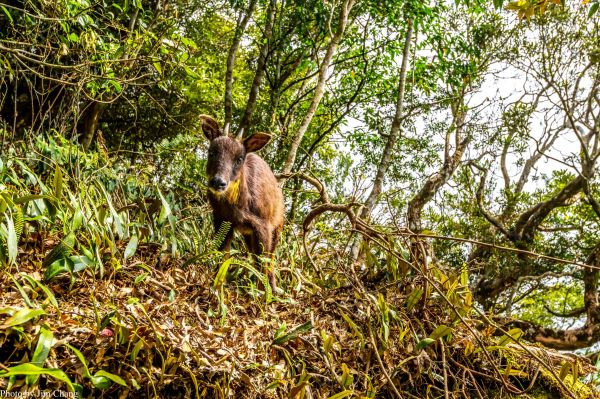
(242,190)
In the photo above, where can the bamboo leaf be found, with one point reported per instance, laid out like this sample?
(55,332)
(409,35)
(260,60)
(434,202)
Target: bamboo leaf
(440,332)
(24,295)
(22,316)
(413,298)
(222,273)
(166,208)
(131,247)
(293,334)
(58,183)
(512,335)
(341,395)
(109,376)
(32,369)
(11,241)
(42,349)
(424,343)
(77,352)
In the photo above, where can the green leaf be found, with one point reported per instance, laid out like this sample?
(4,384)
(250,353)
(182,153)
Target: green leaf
(58,183)
(24,295)
(131,247)
(7,14)
(353,326)
(136,349)
(564,370)
(293,334)
(440,332)
(73,37)
(49,295)
(33,197)
(166,208)
(464,276)
(116,217)
(116,85)
(110,376)
(222,273)
(42,349)
(341,395)
(413,298)
(593,9)
(77,220)
(12,241)
(81,262)
(140,278)
(100,382)
(58,267)
(424,343)
(77,352)
(22,316)
(280,330)
(60,251)
(347,379)
(32,369)
(512,335)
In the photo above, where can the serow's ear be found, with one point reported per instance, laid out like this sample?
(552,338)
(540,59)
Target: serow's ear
(256,141)
(210,127)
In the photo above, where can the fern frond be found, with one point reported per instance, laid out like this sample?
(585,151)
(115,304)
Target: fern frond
(221,234)
(19,222)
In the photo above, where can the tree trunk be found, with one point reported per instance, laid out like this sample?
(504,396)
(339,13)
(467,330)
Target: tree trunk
(237,38)
(386,156)
(246,121)
(90,124)
(441,177)
(320,88)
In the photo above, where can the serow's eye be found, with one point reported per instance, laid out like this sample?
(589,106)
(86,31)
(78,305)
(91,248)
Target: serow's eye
(239,161)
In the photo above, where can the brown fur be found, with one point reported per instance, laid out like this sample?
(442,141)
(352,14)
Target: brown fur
(252,200)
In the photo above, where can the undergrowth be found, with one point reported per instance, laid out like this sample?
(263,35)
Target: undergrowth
(112,286)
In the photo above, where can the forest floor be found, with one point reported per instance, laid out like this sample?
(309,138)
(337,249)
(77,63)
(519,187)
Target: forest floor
(156,327)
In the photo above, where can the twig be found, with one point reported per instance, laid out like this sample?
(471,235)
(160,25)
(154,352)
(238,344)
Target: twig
(446,392)
(383,370)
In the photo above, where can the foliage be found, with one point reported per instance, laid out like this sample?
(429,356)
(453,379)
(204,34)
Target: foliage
(442,207)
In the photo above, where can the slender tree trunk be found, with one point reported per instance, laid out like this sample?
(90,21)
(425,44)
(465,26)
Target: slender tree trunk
(92,117)
(90,124)
(590,282)
(441,177)
(235,44)
(246,121)
(386,156)
(320,88)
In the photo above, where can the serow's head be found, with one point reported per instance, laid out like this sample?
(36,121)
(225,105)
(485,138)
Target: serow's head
(227,154)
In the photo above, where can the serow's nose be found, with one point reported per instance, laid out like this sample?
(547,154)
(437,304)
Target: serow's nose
(217,183)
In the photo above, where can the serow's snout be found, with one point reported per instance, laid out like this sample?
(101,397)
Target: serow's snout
(217,183)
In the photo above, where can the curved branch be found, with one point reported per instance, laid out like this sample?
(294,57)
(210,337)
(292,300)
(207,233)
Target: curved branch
(577,338)
(571,313)
(486,214)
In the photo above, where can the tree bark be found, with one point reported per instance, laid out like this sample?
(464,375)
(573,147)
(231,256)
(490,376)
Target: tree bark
(246,120)
(320,88)
(90,124)
(386,156)
(451,162)
(235,44)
